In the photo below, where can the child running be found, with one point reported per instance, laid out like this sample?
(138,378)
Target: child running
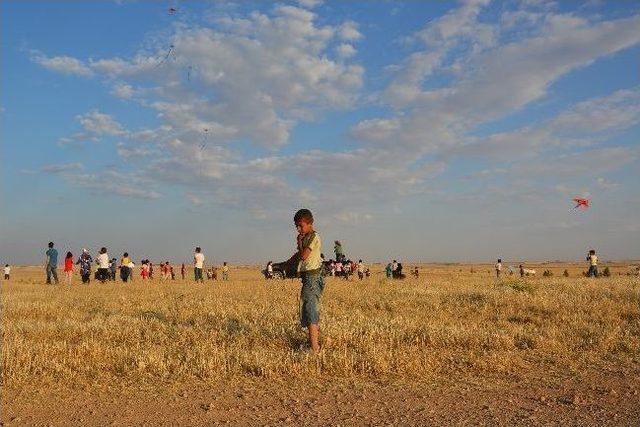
(68,268)
(309,265)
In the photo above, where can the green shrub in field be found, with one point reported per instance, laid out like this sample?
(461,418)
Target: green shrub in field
(519,286)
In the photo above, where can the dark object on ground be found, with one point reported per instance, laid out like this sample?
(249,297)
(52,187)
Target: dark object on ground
(289,270)
(398,274)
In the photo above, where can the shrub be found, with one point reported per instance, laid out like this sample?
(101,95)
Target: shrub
(547,273)
(566,273)
(606,272)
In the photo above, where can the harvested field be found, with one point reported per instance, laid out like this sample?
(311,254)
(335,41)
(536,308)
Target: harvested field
(393,349)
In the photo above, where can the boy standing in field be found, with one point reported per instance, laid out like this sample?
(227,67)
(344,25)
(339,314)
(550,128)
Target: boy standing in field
(593,264)
(498,268)
(7,272)
(309,247)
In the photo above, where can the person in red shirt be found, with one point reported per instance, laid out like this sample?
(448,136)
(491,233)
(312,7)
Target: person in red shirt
(68,267)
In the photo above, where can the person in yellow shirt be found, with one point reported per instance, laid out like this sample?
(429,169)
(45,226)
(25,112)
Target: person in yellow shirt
(225,271)
(125,270)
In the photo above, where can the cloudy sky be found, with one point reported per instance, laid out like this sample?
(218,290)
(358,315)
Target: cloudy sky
(428,131)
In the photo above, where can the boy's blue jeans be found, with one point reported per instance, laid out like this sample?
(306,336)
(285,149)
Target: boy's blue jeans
(52,271)
(593,271)
(312,287)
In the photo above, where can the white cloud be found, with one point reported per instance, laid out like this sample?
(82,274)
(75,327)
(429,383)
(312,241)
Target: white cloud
(346,50)
(100,124)
(63,64)
(349,31)
(62,168)
(310,3)
(123,91)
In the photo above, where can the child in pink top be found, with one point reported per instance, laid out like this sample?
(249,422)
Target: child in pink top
(144,271)
(68,267)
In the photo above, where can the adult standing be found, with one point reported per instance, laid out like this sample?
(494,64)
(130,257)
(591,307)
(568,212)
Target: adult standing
(337,249)
(85,261)
(125,271)
(51,264)
(593,263)
(103,265)
(198,264)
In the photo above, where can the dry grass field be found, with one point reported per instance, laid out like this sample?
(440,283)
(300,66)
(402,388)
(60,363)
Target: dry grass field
(455,346)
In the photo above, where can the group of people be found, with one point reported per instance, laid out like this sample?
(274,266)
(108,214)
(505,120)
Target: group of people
(393,270)
(592,259)
(107,267)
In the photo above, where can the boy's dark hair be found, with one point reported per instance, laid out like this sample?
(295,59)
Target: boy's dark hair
(499,259)
(6,265)
(126,254)
(592,252)
(198,249)
(303,215)
(50,244)
(69,255)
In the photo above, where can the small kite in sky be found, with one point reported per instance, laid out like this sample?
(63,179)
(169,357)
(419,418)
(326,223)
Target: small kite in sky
(581,203)
(170,53)
(172,10)
(203,144)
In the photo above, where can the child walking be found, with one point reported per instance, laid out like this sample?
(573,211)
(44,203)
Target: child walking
(309,247)
(68,268)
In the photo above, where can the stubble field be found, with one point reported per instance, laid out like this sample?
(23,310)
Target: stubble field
(454,346)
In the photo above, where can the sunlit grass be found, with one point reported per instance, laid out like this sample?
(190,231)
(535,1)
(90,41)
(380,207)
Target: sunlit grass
(448,321)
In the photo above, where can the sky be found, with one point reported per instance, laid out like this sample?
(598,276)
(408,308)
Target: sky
(421,131)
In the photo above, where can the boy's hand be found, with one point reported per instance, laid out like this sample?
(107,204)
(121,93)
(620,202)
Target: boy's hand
(300,239)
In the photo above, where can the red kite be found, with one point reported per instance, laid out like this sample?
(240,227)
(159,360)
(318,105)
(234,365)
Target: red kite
(581,203)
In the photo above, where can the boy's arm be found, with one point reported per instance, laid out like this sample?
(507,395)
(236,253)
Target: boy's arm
(304,251)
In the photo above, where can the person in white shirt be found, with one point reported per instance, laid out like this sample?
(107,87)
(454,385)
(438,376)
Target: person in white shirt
(103,265)
(360,270)
(198,265)
(131,266)
(270,270)
(7,272)
(498,268)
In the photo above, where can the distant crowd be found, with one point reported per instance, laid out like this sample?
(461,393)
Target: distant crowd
(108,269)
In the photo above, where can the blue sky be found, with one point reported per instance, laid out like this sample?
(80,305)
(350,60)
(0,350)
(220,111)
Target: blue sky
(431,131)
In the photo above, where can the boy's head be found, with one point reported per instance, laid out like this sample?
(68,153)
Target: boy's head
(50,244)
(198,249)
(592,252)
(499,259)
(303,219)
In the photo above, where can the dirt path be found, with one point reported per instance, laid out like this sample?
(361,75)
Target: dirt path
(604,398)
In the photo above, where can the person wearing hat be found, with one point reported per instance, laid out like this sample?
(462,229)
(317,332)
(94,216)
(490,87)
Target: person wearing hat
(85,261)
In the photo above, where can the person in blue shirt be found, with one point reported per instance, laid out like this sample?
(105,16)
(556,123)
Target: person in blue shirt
(51,264)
